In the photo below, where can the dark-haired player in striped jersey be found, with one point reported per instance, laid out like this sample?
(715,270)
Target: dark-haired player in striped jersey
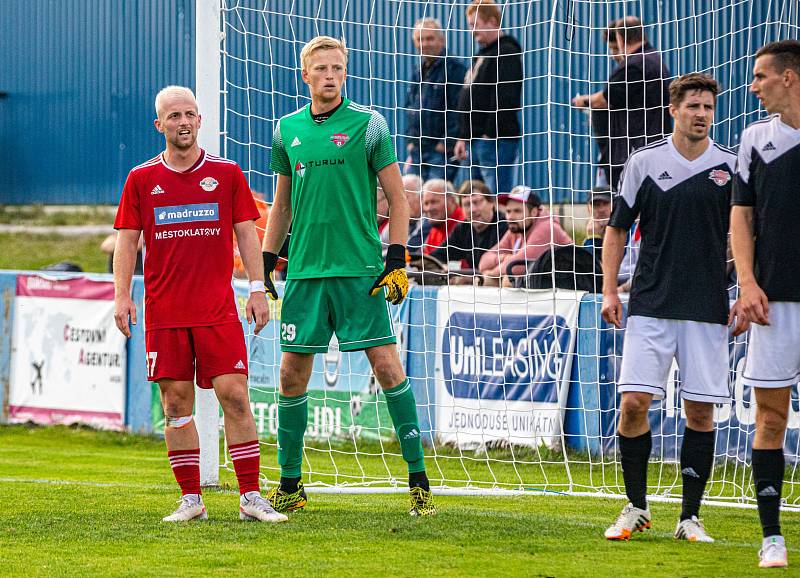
(764,217)
(680,189)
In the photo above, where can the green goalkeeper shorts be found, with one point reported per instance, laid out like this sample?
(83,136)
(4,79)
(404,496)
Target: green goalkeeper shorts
(313,309)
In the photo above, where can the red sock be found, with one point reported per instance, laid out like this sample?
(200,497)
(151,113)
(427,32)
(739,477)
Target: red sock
(246,462)
(186,467)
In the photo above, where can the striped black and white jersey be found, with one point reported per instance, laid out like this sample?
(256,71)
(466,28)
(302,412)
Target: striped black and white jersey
(683,209)
(768,179)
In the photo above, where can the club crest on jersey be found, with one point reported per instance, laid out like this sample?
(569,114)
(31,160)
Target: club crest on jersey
(300,169)
(720,177)
(339,139)
(209,184)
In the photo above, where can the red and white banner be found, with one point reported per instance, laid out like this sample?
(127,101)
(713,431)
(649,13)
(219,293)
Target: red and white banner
(68,358)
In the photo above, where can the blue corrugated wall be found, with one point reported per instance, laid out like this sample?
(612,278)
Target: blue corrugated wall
(80,76)
(79,80)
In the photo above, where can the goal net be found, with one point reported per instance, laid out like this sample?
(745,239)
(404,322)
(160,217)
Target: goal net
(515,387)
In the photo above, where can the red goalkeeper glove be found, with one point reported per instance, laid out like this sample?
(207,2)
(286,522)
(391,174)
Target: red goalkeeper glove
(394,276)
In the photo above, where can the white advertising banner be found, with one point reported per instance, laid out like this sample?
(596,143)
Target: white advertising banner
(68,358)
(503,361)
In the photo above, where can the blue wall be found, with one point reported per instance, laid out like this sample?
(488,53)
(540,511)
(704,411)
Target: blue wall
(80,78)
(80,81)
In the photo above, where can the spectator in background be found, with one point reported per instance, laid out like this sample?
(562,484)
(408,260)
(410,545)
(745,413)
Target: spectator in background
(482,230)
(261,226)
(441,208)
(599,206)
(637,96)
(491,100)
(432,103)
(531,231)
(418,226)
(107,247)
(599,117)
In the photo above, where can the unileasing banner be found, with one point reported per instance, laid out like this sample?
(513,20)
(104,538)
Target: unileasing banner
(503,363)
(68,358)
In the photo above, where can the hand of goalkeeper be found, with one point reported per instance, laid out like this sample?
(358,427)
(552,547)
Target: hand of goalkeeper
(270,261)
(394,276)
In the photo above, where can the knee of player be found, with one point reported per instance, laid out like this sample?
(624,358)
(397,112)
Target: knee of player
(176,405)
(388,372)
(634,407)
(236,406)
(292,382)
(771,422)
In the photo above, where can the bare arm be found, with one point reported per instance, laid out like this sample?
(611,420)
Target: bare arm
(753,304)
(594,101)
(613,251)
(256,307)
(392,184)
(280,216)
(124,263)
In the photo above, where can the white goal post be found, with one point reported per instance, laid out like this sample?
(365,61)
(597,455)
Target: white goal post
(515,388)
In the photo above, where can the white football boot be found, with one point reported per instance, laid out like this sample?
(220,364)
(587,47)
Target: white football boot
(254,507)
(191,508)
(773,553)
(629,521)
(692,530)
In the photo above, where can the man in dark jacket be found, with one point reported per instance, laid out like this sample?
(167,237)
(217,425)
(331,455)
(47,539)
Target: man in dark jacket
(637,96)
(431,105)
(480,232)
(491,100)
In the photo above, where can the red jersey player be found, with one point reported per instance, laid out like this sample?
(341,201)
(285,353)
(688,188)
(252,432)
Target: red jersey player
(188,203)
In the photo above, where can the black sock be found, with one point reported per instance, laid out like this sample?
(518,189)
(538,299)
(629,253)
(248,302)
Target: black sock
(768,470)
(697,460)
(419,480)
(289,485)
(635,455)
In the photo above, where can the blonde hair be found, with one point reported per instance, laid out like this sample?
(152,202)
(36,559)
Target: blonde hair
(486,10)
(321,43)
(172,90)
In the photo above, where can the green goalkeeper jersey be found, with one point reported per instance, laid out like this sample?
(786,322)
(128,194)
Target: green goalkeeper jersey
(333,167)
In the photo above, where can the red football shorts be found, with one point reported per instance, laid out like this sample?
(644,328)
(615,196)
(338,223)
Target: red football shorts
(183,352)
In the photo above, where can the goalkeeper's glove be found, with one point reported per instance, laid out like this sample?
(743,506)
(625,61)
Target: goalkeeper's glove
(394,276)
(270,261)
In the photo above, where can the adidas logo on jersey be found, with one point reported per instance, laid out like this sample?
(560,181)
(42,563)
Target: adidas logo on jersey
(413,433)
(157,190)
(664,176)
(239,365)
(689,472)
(768,491)
(768,147)
(296,142)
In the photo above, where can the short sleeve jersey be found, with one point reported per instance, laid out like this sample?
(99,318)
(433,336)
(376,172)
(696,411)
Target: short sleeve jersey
(683,211)
(767,180)
(187,219)
(333,166)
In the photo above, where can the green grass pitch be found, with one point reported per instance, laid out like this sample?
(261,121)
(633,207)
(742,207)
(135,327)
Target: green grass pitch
(75,502)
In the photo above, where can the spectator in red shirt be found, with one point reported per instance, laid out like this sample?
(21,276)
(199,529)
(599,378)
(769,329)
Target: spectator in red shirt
(441,208)
(531,231)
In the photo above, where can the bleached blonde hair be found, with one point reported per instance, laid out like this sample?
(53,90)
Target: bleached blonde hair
(322,43)
(172,90)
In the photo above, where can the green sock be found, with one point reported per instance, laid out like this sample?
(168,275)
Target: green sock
(292,421)
(403,410)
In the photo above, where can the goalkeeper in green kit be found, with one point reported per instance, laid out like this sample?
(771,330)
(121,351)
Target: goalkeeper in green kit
(328,157)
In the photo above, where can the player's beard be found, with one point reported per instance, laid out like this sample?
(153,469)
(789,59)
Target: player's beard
(177,143)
